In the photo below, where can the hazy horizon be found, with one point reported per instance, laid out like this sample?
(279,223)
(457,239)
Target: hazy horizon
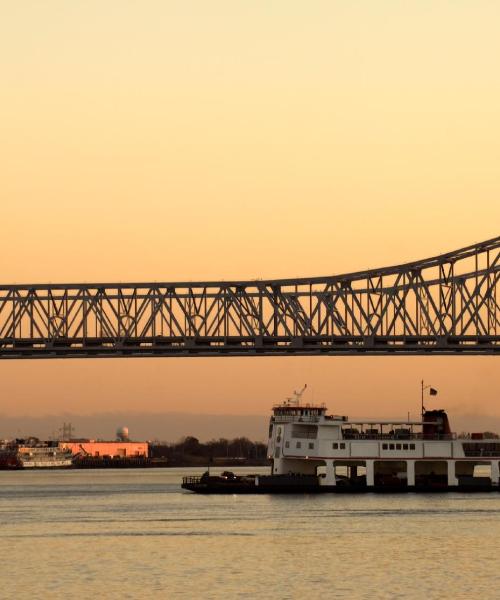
(173,426)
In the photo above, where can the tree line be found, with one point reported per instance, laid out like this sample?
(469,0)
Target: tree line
(189,450)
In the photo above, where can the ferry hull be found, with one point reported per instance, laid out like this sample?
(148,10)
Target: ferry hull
(252,489)
(277,484)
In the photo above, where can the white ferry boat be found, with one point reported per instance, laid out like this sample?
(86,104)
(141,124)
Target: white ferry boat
(312,451)
(378,454)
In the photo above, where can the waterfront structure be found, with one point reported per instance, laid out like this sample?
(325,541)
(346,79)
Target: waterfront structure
(35,454)
(99,449)
(447,304)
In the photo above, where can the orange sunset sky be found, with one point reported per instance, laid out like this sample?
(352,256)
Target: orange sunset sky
(180,140)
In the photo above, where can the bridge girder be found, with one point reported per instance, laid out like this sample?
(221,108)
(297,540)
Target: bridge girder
(448,304)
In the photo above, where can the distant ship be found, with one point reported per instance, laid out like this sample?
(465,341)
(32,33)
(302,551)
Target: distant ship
(312,451)
(33,454)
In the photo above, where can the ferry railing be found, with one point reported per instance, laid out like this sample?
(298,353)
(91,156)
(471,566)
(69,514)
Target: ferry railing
(399,437)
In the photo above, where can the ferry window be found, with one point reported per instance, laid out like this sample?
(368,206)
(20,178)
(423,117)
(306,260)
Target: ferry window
(342,446)
(398,446)
(391,446)
(287,444)
(335,446)
(311,445)
(412,446)
(384,446)
(405,446)
(299,445)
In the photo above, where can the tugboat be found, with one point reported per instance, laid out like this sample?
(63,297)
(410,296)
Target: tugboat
(314,452)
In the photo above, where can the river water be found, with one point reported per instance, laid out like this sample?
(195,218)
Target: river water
(136,534)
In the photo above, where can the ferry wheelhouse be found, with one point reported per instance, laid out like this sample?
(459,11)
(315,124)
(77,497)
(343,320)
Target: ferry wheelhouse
(352,455)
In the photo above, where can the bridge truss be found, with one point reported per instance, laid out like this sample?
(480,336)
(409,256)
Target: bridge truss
(448,304)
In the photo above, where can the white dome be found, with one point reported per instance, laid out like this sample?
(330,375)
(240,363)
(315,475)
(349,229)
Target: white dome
(122,433)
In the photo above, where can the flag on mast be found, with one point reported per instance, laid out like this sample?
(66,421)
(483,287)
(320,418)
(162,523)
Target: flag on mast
(432,391)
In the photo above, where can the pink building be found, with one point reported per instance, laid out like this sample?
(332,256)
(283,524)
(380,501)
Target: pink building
(93,448)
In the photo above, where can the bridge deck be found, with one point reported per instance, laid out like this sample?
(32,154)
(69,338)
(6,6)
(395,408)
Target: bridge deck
(444,305)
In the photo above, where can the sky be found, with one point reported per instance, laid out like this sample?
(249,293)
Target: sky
(182,140)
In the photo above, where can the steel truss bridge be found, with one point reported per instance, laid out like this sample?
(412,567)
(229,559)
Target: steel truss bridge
(447,304)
